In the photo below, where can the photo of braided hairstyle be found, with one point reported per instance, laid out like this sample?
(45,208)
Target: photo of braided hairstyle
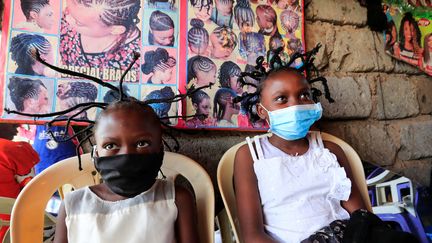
(123,100)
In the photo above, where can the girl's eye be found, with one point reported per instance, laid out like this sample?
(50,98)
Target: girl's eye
(142,144)
(280,99)
(305,96)
(110,146)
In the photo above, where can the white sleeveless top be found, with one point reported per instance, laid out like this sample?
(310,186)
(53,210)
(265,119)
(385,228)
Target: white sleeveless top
(147,217)
(299,194)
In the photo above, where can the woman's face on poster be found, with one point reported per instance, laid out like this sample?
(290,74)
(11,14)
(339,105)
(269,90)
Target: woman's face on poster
(203,108)
(45,17)
(408,31)
(429,43)
(203,13)
(85,20)
(163,37)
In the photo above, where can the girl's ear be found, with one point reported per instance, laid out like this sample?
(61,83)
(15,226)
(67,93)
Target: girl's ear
(195,106)
(33,15)
(118,29)
(262,113)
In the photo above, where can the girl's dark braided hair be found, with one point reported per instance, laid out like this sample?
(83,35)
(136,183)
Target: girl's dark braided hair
(276,65)
(60,116)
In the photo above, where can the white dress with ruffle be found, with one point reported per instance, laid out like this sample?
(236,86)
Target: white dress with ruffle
(299,194)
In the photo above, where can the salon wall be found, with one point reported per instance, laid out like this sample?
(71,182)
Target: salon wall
(383,107)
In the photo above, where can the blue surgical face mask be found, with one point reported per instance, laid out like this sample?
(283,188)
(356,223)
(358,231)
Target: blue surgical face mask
(293,122)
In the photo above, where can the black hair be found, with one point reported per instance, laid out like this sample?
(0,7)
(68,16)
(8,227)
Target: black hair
(161,108)
(198,63)
(199,96)
(59,116)
(160,21)
(390,42)
(32,5)
(198,35)
(21,89)
(221,99)
(113,96)
(417,35)
(227,70)
(202,3)
(171,2)
(22,47)
(243,13)
(8,130)
(157,59)
(276,66)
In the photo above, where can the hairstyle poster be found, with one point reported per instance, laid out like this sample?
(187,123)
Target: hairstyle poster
(182,45)
(225,38)
(409,32)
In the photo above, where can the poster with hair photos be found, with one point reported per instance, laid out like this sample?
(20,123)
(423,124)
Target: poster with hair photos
(408,36)
(95,38)
(181,44)
(225,37)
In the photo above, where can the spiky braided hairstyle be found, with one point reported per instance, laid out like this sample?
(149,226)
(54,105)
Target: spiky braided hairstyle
(261,74)
(60,116)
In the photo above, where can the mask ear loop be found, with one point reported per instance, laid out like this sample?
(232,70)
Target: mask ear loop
(163,175)
(92,154)
(268,122)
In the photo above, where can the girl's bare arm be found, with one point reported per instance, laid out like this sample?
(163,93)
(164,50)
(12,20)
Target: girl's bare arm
(186,230)
(248,201)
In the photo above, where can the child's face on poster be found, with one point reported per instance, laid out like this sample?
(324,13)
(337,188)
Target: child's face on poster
(164,37)
(86,20)
(45,17)
(224,9)
(429,43)
(203,108)
(203,13)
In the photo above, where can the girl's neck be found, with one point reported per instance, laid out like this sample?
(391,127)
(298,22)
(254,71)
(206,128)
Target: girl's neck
(156,80)
(227,116)
(408,46)
(93,44)
(293,147)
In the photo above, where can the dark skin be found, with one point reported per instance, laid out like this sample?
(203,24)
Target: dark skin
(129,132)
(280,90)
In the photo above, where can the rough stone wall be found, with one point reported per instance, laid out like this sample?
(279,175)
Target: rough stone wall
(383,107)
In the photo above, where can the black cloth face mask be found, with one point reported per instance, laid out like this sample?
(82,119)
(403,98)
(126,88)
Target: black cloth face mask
(129,174)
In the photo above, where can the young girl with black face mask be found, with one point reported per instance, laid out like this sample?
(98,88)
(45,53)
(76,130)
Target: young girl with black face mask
(131,205)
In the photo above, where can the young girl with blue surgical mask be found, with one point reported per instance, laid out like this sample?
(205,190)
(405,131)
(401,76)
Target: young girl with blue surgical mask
(293,183)
(292,186)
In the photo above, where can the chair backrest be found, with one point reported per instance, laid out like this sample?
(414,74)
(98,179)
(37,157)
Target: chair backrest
(28,211)
(225,173)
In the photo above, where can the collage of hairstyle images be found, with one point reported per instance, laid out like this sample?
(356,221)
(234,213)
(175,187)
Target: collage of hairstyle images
(408,36)
(94,37)
(225,38)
